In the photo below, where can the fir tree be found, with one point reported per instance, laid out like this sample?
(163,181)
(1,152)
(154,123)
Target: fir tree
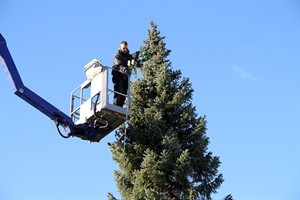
(163,153)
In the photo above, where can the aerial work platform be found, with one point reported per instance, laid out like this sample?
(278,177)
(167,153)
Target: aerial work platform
(92,101)
(93,115)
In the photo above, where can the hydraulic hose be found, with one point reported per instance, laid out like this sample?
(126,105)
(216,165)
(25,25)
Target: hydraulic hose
(101,117)
(62,135)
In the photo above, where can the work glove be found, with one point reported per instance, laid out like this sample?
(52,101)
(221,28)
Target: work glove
(131,63)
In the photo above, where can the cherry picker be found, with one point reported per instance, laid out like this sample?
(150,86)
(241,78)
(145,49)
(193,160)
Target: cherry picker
(92,116)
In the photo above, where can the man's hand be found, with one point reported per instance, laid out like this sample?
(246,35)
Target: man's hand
(125,70)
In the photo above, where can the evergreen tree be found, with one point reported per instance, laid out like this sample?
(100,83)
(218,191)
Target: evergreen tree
(163,152)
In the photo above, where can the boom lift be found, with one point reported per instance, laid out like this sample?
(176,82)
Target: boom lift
(92,116)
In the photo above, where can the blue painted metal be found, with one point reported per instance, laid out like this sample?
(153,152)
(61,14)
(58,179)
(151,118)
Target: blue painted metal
(83,131)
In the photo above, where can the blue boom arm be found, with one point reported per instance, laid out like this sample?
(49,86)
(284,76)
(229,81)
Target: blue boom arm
(83,131)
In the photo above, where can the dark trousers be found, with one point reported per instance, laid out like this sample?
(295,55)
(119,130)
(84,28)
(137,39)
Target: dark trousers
(120,85)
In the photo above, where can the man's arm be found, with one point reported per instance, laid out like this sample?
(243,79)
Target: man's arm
(119,65)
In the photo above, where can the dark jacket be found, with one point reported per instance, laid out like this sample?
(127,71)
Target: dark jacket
(120,67)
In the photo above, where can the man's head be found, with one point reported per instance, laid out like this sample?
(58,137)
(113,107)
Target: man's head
(123,46)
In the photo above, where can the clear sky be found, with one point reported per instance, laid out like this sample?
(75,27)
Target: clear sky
(242,58)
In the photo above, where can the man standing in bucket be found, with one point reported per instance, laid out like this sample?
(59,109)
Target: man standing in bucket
(120,73)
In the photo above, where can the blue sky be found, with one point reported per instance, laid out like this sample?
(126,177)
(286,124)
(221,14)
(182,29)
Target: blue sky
(242,58)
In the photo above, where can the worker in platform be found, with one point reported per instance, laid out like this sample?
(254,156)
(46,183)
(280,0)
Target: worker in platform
(120,73)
